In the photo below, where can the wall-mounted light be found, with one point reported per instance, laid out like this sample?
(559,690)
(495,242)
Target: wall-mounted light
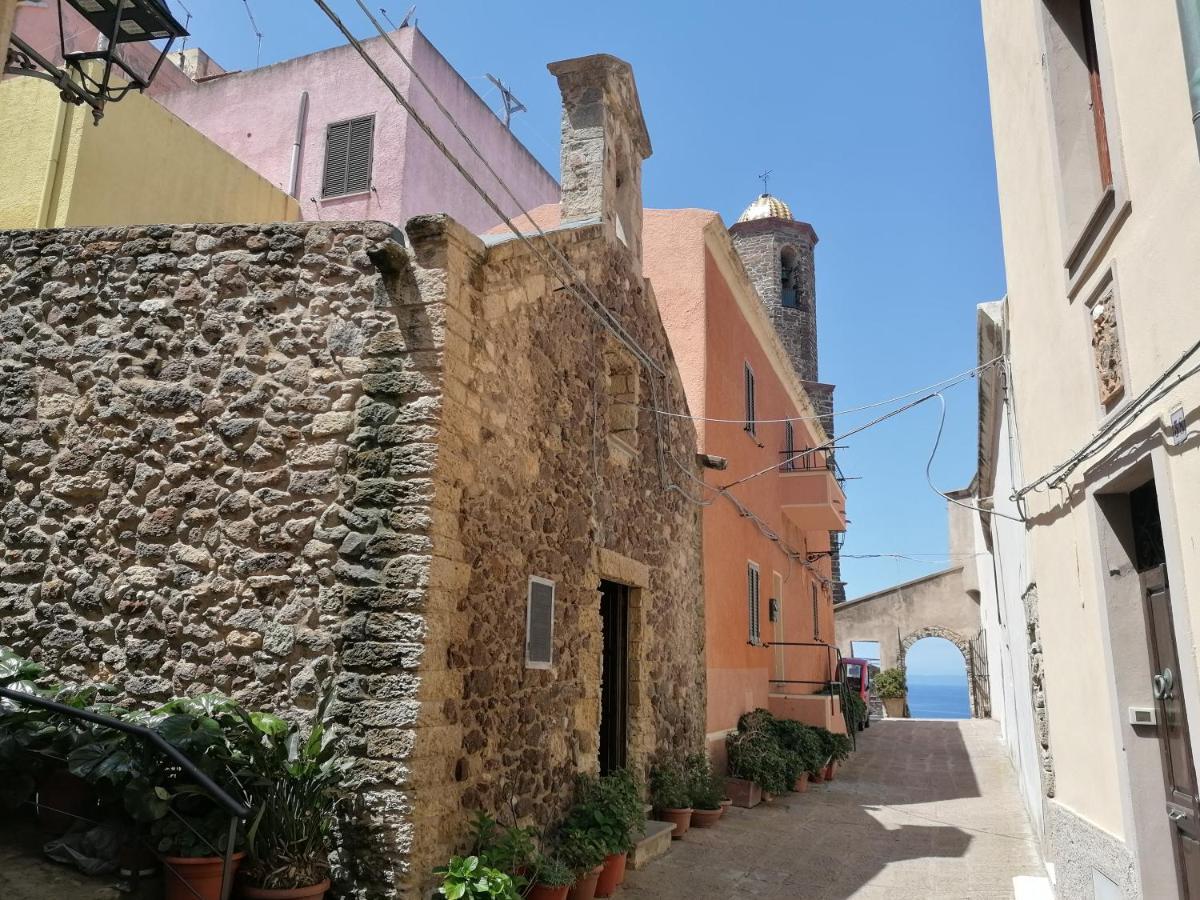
(118,22)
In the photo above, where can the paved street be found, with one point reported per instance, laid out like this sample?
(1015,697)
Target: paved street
(924,809)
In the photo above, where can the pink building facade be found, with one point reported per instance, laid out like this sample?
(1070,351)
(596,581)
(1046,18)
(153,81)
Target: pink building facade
(325,129)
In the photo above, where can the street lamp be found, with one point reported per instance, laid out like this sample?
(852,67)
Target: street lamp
(118,22)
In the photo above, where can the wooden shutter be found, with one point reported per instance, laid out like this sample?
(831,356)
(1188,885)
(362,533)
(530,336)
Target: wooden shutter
(752,593)
(816,614)
(539,624)
(348,156)
(750,412)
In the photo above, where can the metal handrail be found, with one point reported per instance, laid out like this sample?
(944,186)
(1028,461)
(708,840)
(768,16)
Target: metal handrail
(236,809)
(833,681)
(222,797)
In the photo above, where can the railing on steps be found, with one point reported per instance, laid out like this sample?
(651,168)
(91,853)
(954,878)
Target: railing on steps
(835,684)
(237,811)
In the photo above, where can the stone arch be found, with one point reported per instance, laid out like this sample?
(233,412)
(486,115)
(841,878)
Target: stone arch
(962,643)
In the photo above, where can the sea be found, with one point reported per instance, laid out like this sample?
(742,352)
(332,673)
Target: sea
(938,698)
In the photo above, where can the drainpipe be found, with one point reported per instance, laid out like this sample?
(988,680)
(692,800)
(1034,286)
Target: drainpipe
(301,121)
(52,189)
(1189,28)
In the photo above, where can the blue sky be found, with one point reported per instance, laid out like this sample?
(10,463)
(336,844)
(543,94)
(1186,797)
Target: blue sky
(874,119)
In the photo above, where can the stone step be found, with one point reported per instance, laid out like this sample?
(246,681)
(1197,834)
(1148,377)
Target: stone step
(655,841)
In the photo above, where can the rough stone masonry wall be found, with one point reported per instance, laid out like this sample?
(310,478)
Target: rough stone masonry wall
(527,486)
(218,444)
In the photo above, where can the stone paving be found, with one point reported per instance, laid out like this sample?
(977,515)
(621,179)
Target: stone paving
(924,809)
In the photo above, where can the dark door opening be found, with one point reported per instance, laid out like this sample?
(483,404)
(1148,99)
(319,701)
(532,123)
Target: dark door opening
(614,675)
(1179,770)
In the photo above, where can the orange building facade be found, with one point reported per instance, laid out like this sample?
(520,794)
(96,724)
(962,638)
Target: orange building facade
(768,577)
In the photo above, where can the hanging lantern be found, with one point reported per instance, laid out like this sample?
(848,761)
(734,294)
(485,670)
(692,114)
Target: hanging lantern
(87,77)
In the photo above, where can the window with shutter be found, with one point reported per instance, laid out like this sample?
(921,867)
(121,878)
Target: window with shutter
(751,424)
(752,599)
(539,624)
(348,156)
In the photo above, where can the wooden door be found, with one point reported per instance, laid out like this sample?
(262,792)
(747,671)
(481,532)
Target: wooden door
(1179,770)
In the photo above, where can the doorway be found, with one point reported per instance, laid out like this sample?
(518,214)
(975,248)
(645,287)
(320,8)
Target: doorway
(614,676)
(1149,689)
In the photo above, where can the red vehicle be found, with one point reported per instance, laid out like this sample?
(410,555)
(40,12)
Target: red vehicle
(859,676)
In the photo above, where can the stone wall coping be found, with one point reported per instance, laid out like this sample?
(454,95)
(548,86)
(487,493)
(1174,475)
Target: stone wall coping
(896,587)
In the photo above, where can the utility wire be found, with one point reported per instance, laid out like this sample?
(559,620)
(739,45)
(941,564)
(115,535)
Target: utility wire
(947,382)
(929,472)
(257,34)
(1105,434)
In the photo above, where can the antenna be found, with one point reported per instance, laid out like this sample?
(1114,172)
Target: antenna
(764,177)
(511,103)
(257,34)
(405,22)
(186,23)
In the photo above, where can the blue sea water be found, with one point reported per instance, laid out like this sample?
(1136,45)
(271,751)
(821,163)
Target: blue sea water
(934,698)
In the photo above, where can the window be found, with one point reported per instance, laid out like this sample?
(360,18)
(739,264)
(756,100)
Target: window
(1080,122)
(752,600)
(539,624)
(751,423)
(348,150)
(789,277)
(816,614)
(789,448)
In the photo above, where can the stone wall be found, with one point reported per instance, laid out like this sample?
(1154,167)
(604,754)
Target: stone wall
(257,459)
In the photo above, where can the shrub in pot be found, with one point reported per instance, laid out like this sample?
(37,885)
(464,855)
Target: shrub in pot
(670,796)
(891,687)
(510,849)
(299,786)
(705,791)
(611,808)
(550,879)
(581,850)
(756,755)
(855,712)
(467,878)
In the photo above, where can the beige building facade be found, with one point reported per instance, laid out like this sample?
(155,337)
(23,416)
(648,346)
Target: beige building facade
(1094,447)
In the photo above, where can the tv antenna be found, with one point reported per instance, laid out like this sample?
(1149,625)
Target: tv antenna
(764,177)
(405,22)
(511,103)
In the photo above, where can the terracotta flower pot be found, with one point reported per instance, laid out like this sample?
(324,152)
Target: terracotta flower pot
(830,771)
(196,877)
(680,818)
(725,804)
(706,818)
(548,892)
(611,875)
(312,892)
(585,885)
(801,784)
(817,777)
(62,800)
(743,793)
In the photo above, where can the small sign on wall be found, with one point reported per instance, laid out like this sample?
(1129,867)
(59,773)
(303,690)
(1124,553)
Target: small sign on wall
(1178,425)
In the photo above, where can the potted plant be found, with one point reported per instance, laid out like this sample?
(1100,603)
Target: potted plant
(670,796)
(705,791)
(892,688)
(550,879)
(299,786)
(583,852)
(855,714)
(611,808)
(467,878)
(840,747)
(756,755)
(507,848)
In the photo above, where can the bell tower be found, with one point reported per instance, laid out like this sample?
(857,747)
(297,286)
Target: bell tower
(777,252)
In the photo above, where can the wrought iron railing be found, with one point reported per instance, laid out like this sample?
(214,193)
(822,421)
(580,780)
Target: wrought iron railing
(834,685)
(800,460)
(237,811)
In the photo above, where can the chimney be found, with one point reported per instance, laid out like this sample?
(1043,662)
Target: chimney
(195,63)
(604,141)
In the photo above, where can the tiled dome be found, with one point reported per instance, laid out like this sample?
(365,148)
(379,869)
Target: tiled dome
(766,207)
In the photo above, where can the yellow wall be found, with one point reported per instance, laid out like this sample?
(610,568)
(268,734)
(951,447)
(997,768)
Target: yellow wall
(141,165)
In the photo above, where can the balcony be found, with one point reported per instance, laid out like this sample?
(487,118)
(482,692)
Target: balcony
(810,492)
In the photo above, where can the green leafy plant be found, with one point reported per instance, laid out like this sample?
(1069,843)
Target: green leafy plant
(840,747)
(855,710)
(669,786)
(507,848)
(467,878)
(609,807)
(706,788)
(580,848)
(802,740)
(890,684)
(299,785)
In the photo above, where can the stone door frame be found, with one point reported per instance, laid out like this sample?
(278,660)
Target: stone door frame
(962,643)
(612,566)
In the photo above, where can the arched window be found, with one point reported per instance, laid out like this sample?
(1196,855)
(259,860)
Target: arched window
(789,273)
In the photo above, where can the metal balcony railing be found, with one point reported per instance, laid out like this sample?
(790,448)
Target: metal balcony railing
(237,811)
(834,684)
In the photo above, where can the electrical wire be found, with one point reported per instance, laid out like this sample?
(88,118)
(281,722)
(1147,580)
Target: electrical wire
(1106,433)
(948,382)
(929,472)
(257,34)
